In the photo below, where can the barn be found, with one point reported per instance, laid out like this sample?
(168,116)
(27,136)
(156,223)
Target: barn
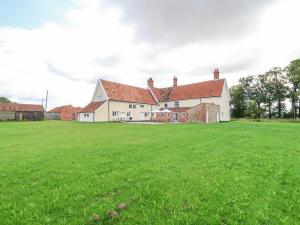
(66,112)
(21,112)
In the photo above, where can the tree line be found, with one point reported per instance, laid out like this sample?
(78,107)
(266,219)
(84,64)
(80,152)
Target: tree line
(267,95)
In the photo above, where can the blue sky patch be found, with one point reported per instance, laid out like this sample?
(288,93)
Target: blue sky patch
(31,13)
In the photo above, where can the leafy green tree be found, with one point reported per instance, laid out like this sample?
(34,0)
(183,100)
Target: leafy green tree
(293,73)
(254,93)
(238,101)
(277,87)
(4,100)
(267,92)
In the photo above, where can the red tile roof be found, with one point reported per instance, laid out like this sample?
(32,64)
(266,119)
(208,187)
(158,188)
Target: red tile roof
(212,88)
(21,107)
(91,107)
(7,107)
(65,107)
(162,94)
(127,93)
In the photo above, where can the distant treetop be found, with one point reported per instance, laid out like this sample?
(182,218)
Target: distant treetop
(4,100)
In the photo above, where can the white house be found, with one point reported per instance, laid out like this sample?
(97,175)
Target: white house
(113,101)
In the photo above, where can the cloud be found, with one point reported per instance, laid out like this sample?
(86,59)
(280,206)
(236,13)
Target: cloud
(96,40)
(179,22)
(108,61)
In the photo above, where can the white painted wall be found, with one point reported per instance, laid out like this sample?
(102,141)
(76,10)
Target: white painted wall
(101,114)
(123,108)
(86,117)
(99,93)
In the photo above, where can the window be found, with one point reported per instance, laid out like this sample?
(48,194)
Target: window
(152,114)
(128,113)
(84,115)
(183,114)
(87,114)
(134,106)
(176,104)
(130,106)
(162,114)
(115,113)
(175,115)
(100,97)
(166,105)
(142,106)
(146,114)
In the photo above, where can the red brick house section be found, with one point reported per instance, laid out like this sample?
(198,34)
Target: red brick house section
(67,112)
(202,113)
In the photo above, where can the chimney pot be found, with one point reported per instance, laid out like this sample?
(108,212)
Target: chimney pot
(150,82)
(175,81)
(216,74)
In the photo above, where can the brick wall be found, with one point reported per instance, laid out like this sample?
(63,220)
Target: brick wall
(199,113)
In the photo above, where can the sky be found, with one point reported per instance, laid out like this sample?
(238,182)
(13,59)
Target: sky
(66,46)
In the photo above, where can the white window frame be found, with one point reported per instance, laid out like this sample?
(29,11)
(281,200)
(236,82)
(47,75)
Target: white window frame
(115,113)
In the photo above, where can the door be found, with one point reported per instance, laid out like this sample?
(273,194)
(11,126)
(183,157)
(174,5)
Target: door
(142,116)
(175,116)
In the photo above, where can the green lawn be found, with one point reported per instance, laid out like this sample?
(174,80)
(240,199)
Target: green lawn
(228,173)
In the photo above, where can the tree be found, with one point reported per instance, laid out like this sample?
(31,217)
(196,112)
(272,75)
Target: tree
(254,92)
(267,92)
(238,101)
(4,100)
(293,73)
(277,85)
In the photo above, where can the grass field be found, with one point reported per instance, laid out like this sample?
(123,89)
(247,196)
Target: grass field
(229,173)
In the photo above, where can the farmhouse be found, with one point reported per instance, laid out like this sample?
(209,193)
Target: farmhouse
(15,111)
(206,101)
(66,112)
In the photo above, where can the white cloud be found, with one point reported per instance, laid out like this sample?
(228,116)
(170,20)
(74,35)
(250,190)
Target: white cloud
(92,42)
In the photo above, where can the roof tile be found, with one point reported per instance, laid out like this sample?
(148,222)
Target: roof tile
(127,93)
(91,107)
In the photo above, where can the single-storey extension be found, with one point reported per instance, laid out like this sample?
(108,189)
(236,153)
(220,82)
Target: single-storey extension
(202,113)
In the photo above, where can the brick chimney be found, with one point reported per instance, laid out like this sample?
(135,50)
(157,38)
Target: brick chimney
(175,81)
(150,82)
(216,74)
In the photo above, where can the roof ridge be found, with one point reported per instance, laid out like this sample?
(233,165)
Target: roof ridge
(128,85)
(191,83)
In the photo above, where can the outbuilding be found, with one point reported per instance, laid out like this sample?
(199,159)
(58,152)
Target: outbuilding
(20,112)
(66,112)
